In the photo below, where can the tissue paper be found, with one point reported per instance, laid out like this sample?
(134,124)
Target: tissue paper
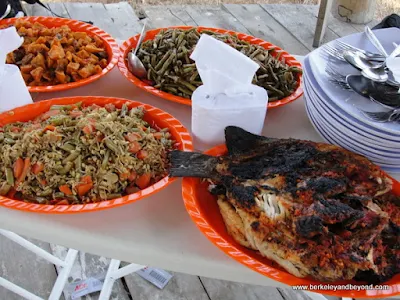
(13,91)
(227,96)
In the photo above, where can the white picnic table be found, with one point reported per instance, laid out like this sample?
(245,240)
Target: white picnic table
(155,231)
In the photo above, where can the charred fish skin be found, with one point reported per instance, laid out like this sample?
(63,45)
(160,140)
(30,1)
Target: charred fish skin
(192,164)
(316,209)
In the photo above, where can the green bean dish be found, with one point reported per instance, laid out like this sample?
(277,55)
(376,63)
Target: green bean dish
(170,69)
(73,154)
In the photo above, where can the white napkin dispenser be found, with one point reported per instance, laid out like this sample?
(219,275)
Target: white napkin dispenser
(13,90)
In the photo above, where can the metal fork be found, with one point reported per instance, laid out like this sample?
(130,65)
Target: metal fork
(337,78)
(384,116)
(341,46)
(337,48)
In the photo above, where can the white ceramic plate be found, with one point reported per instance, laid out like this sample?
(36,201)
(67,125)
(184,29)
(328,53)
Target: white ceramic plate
(348,101)
(381,136)
(337,123)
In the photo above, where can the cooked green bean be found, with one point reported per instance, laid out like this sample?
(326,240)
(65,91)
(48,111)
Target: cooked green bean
(93,160)
(73,155)
(105,159)
(166,59)
(9,176)
(78,164)
(111,145)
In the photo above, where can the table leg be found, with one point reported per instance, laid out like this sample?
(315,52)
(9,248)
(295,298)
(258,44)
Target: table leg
(61,278)
(322,21)
(114,273)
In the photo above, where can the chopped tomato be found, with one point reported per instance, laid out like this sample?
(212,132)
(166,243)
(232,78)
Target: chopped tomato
(65,189)
(131,189)
(34,127)
(133,136)
(50,113)
(88,129)
(18,167)
(158,135)
(100,137)
(83,189)
(42,182)
(132,176)
(134,147)
(62,202)
(86,179)
(75,113)
(15,129)
(143,181)
(49,128)
(11,193)
(142,154)
(109,107)
(124,176)
(37,168)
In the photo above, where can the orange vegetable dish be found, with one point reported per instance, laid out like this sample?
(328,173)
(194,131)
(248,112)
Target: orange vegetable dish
(73,155)
(51,56)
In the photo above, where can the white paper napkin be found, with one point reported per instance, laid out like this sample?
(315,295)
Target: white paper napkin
(13,91)
(227,96)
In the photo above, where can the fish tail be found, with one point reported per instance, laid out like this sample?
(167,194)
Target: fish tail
(192,164)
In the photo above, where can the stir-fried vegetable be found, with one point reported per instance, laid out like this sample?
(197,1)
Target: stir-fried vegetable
(170,69)
(73,154)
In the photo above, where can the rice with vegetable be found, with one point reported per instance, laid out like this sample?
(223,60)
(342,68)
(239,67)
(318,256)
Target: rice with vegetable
(73,154)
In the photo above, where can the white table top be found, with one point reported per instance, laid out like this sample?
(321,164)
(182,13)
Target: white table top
(155,231)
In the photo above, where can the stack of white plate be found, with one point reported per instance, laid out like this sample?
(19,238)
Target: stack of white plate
(337,113)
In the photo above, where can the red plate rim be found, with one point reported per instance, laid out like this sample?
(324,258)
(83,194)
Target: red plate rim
(110,44)
(178,131)
(251,261)
(131,43)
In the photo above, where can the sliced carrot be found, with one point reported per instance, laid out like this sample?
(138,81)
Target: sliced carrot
(142,154)
(134,147)
(37,168)
(25,171)
(158,135)
(75,113)
(132,176)
(42,182)
(49,128)
(83,189)
(133,136)
(65,189)
(50,113)
(18,167)
(143,181)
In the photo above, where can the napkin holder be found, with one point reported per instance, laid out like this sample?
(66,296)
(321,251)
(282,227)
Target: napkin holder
(13,90)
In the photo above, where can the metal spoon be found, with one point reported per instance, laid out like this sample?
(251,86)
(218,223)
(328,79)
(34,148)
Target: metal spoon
(134,63)
(381,93)
(359,61)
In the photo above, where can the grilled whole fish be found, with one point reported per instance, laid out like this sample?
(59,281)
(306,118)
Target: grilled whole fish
(316,209)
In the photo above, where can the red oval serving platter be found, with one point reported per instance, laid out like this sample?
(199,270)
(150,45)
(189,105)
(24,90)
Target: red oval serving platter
(203,209)
(131,43)
(152,116)
(109,43)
